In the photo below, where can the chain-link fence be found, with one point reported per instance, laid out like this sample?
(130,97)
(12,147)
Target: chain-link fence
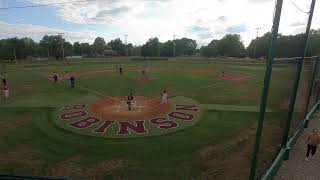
(220,87)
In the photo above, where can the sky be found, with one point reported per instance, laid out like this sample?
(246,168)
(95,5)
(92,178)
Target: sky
(202,20)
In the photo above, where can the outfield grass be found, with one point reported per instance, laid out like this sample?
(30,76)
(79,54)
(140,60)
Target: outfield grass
(218,146)
(156,157)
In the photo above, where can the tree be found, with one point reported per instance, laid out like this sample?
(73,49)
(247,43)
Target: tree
(185,47)
(53,44)
(259,47)
(129,49)
(67,49)
(99,46)
(231,46)
(136,51)
(211,50)
(86,49)
(287,46)
(314,42)
(167,49)
(118,46)
(151,48)
(76,48)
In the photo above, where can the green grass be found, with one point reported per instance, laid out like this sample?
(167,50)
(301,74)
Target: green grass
(229,110)
(152,155)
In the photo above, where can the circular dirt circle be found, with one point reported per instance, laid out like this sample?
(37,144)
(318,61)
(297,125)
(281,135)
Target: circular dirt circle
(116,108)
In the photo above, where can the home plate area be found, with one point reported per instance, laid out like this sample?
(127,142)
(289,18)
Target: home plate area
(111,117)
(116,108)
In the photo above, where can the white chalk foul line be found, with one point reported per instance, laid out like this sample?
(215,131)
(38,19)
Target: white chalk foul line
(99,93)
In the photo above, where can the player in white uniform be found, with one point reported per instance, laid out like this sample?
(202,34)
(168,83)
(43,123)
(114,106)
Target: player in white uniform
(164,96)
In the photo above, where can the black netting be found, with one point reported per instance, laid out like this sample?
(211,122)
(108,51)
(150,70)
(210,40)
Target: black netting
(305,85)
(276,116)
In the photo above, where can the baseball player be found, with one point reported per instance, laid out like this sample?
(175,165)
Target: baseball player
(120,70)
(222,72)
(129,102)
(4,81)
(165,96)
(72,80)
(5,88)
(55,77)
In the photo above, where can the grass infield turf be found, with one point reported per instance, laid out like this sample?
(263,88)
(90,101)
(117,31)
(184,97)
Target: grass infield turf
(217,146)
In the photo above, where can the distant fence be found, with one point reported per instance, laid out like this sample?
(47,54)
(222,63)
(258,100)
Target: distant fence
(149,59)
(10,177)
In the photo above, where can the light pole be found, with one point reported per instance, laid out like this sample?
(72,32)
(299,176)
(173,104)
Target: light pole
(48,49)
(0,51)
(174,45)
(60,34)
(255,44)
(125,41)
(14,54)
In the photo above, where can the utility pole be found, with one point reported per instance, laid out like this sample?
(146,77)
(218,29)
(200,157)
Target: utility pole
(60,34)
(1,52)
(255,44)
(174,45)
(48,50)
(15,56)
(125,41)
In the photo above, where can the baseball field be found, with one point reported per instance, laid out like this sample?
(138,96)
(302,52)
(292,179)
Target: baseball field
(206,129)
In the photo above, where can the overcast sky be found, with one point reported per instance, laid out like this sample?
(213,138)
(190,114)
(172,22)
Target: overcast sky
(202,20)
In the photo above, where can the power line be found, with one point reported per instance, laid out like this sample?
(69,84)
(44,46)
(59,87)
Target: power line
(43,5)
(300,9)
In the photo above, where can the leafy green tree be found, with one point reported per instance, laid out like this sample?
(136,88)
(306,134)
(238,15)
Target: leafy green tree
(211,50)
(86,49)
(287,46)
(53,44)
(167,49)
(118,46)
(68,49)
(151,48)
(231,46)
(136,51)
(99,46)
(314,42)
(76,48)
(259,47)
(185,47)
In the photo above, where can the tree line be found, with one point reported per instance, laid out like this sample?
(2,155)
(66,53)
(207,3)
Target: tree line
(228,46)
(287,46)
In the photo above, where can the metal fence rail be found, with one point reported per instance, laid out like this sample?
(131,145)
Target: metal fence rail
(304,92)
(10,177)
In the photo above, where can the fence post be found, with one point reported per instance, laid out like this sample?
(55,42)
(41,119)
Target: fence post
(297,79)
(318,86)
(265,92)
(311,89)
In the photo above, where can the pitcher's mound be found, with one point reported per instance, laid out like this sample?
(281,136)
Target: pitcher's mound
(116,108)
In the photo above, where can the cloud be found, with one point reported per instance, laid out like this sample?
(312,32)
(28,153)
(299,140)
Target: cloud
(36,32)
(294,24)
(222,18)
(237,28)
(200,28)
(260,1)
(104,15)
(203,20)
